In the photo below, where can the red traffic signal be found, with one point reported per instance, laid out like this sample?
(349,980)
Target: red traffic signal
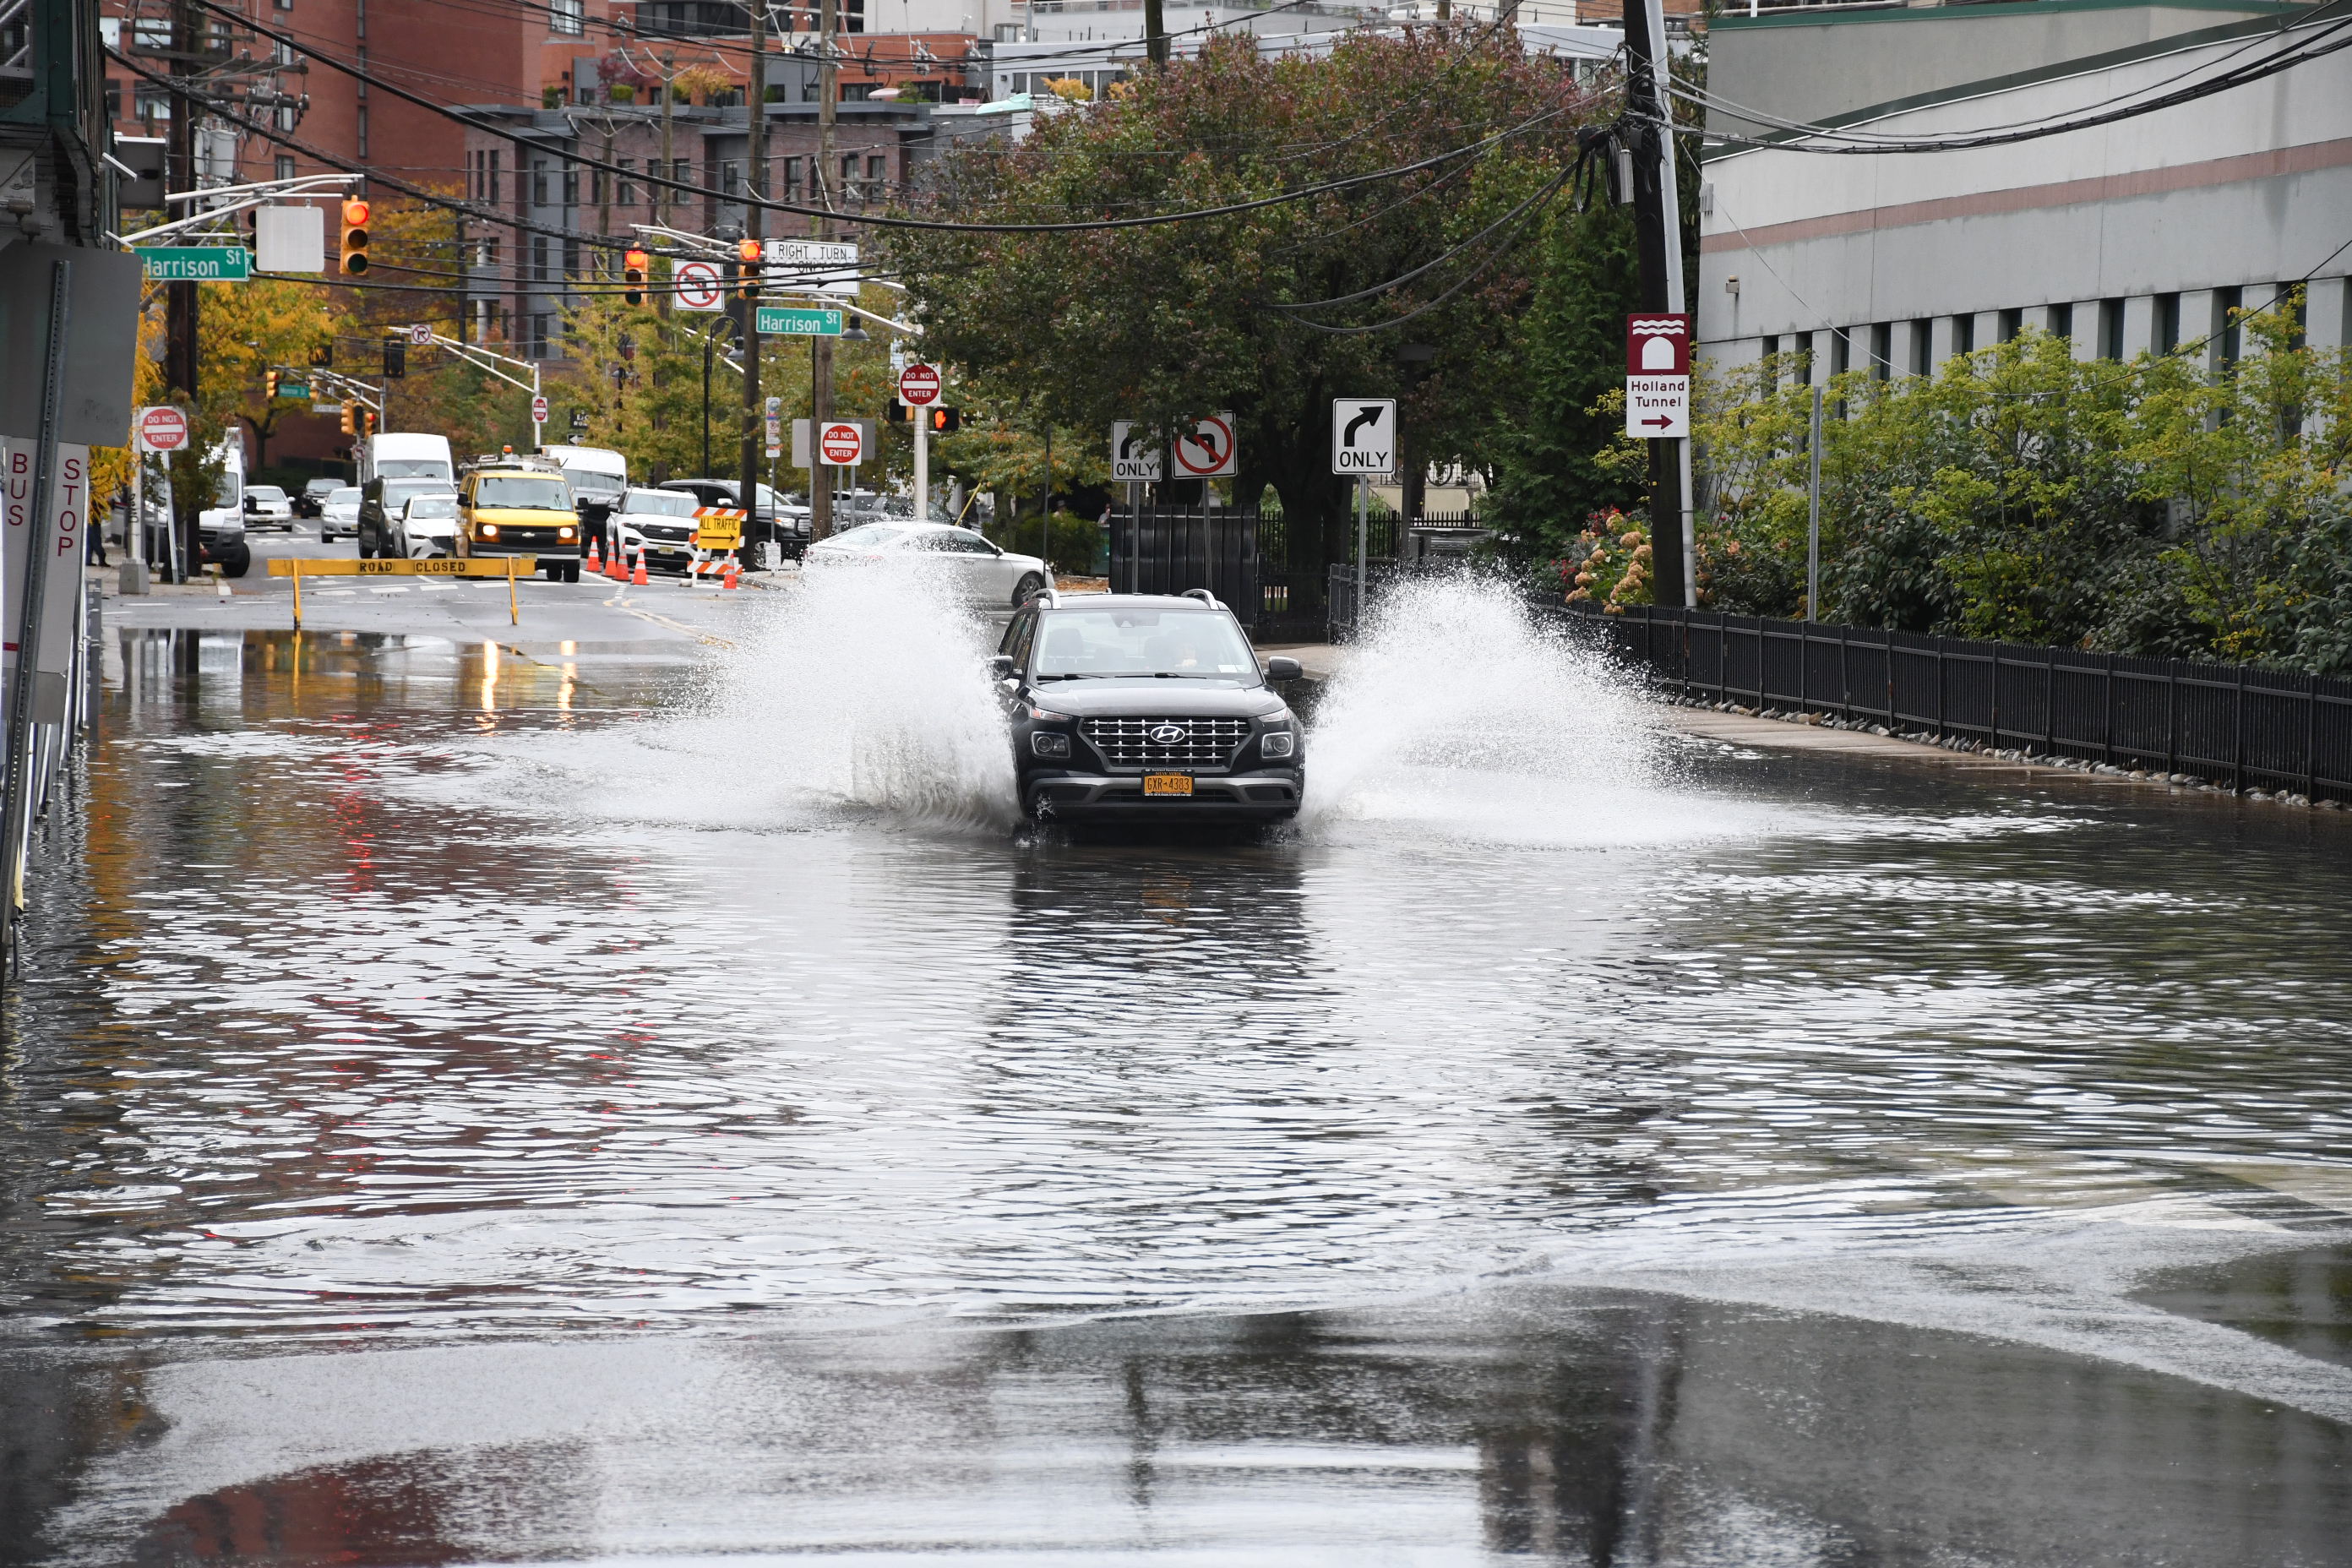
(635,264)
(355,238)
(749,249)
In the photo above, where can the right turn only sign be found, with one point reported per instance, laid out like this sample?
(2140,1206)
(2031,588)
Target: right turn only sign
(1363,436)
(1657,376)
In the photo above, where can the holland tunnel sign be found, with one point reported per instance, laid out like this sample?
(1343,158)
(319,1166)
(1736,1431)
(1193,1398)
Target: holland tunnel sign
(1657,376)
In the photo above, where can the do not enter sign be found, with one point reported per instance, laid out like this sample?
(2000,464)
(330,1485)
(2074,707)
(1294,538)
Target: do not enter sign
(162,429)
(842,445)
(918,385)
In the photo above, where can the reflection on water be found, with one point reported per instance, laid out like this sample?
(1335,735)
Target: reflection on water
(424,990)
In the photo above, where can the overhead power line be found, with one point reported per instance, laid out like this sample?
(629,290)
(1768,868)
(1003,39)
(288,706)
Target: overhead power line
(744,198)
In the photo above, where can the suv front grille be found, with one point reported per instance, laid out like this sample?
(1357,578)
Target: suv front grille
(1203,743)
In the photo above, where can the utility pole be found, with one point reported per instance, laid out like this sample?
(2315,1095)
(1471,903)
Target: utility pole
(179,351)
(755,180)
(464,277)
(821,349)
(1657,243)
(663,195)
(1155,33)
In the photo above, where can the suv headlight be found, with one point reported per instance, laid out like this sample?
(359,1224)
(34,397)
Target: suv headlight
(1049,743)
(1277,743)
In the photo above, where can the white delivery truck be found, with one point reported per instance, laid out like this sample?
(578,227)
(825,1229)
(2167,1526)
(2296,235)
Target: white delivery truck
(407,455)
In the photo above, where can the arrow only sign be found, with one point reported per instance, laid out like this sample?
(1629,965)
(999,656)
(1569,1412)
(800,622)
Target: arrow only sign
(1134,460)
(1363,436)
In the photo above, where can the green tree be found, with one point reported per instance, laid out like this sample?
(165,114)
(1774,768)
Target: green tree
(1163,324)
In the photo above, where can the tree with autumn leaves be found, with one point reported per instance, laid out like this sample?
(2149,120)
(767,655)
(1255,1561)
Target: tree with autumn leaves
(1273,311)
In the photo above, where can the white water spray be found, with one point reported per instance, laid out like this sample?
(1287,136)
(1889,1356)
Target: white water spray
(1460,712)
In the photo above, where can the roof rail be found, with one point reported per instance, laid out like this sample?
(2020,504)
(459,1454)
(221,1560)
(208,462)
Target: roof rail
(1203,596)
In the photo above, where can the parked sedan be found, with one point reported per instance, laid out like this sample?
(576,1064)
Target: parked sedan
(267,506)
(339,514)
(980,573)
(427,527)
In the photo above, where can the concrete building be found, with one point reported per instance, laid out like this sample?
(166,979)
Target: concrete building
(2140,233)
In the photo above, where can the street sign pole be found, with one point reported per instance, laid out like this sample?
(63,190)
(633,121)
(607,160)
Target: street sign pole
(1363,534)
(1813,513)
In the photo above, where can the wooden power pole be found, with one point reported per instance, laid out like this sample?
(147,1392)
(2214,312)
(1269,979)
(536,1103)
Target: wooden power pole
(828,92)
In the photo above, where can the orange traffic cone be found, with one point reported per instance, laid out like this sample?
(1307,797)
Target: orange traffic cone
(638,578)
(595,559)
(617,568)
(731,575)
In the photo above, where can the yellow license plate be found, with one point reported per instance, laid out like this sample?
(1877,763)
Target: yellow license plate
(1168,784)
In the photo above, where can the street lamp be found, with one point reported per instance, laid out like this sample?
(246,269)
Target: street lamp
(710,342)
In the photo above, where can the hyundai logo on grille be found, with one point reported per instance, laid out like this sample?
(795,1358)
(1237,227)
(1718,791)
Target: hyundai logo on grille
(1167,734)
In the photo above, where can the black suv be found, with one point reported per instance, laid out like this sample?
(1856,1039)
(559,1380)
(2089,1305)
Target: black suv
(381,501)
(1134,708)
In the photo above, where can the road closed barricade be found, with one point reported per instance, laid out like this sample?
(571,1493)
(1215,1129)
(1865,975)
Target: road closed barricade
(511,567)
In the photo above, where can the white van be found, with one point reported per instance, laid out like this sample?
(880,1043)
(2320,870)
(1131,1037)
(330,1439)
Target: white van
(406,454)
(598,475)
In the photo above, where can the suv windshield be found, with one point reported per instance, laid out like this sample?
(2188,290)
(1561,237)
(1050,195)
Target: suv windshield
(589,482)
(657,503)
(1200,644)
(525,493)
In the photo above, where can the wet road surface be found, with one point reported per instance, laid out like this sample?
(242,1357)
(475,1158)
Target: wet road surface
(501,1107)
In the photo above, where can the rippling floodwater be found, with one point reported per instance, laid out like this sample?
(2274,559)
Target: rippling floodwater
(422,993)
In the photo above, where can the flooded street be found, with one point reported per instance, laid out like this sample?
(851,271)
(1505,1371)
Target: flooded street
(596,1106)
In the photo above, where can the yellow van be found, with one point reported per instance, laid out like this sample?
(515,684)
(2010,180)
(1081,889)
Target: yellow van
(520,506)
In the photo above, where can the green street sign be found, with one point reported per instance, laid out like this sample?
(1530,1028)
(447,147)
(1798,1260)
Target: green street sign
(293,389)
(792,322)
(196,263)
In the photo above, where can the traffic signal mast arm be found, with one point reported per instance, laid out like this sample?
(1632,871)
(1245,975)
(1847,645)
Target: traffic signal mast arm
(482,358)
(345,388)
(253,196)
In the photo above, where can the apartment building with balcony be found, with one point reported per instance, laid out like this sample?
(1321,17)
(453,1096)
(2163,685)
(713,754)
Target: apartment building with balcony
(2141,232)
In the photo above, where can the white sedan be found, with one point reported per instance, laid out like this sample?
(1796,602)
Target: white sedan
(982,573)
(268,505)
(339,513)
(425,527)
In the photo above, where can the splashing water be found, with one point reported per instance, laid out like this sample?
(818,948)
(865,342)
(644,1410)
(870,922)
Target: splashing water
(1459,709)
(860,689)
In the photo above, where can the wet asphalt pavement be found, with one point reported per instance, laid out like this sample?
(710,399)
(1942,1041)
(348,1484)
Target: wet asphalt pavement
(498,1101)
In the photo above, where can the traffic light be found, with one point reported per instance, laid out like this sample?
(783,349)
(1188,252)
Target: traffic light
(351,420)
(895,412)
(945,421)
(395,356)
(635,264)
(323,356)
(355,238)
(748,252)
(270,385)
(367,421)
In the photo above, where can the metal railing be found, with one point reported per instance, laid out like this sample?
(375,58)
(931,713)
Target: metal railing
(2245,725)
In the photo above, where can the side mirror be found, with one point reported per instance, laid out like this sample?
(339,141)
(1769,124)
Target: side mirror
(1281,668)
(1001,667)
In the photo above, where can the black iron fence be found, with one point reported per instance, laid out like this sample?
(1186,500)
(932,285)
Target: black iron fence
(2245,725)
(1157,550)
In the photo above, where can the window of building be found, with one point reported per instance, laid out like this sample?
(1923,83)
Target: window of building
(2111,329)
(1923,348)
(2012,323)
(539,182)
(624,186)
(359,19)
(283,5)
(1964,334)
(1841,351)
(2164,334)
(848,186)
(113,100)
(1770,363)
(539,258)
(571,258)
(362,126)
(571,184)
(2227,302)
(791,172)
(287,116)
(1882,351)
(151,104)
(853,15)
(2062,320)
(878,176)
(565,16)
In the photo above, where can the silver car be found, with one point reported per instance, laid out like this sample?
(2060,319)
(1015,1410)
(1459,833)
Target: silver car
(979,572)
(339,513)
(426,528)
(266,505)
